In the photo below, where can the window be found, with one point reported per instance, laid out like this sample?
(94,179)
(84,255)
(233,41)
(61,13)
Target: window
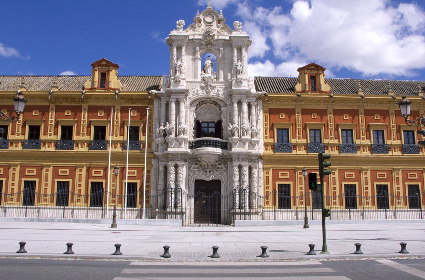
(134,133)
(3,132)
(102,82)
(414,197)
(284,196)
(99,132)
(33,132)
(1,190)
(62,193)
(378,137)
(313,83)
(382,199)
(29,193)
(409,137)
(347,136)
(282,135)
(208,129)
(131,195)
(66,132)
(315,136)
(96,194)
(350,196)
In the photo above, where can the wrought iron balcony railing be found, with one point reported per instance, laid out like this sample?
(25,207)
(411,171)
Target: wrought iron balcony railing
(98,145)
(348,148)
(4,144)
(133,145)
(411,149)
(316,148)
(282,147)
(32,144)
(380,149)
(208,143)
(65,145)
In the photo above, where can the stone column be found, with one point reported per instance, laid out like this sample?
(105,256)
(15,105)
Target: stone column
(162,113)
(180,185)
(171,187)
(253,114)
(172,116)
(236,185)
(244,187)
(160,195)
(182,120)
(244,117)
(253,188)
(235,117)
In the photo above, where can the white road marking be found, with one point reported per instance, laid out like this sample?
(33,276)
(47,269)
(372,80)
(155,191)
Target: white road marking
(227,263)
(404,268)
(243,277)
(247,271)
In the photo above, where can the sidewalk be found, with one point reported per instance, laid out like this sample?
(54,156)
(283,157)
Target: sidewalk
(141,242)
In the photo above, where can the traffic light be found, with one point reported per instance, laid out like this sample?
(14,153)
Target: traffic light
(323,164)
(312,181)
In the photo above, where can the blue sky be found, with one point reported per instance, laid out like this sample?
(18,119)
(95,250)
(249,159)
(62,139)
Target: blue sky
(370,39)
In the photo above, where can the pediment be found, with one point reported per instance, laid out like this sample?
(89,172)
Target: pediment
(312,66)
(104,63)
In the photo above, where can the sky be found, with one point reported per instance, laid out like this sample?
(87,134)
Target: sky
(364,39)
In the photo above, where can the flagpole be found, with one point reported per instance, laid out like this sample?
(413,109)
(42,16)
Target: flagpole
(144,172)
(109,161)
(126,173)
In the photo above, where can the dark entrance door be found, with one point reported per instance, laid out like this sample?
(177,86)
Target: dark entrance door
(207,202)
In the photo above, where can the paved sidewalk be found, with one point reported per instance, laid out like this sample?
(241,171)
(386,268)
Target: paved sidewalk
(143,242)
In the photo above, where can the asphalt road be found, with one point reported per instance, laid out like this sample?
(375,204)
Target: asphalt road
(55,269)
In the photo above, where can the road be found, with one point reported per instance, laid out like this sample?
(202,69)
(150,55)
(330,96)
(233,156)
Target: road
(67,269)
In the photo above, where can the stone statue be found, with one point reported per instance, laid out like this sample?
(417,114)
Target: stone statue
(208,66)
(169,127)
(237,25)
(239,68)
(178,67)
(183,129)
(180,24)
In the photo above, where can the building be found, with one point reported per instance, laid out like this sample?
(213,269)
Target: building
(221,145)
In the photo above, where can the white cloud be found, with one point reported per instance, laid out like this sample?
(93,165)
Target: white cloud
(68,73)
(8,51)
(216,4)
(269,69)
(371,37)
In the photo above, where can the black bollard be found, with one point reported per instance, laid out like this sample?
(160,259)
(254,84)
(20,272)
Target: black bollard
(358,249)
(22,247)
(311,252)
(166,252)
(114,218)
(117,249)
(215,252)
(403,248)
(69,248)
(263,252)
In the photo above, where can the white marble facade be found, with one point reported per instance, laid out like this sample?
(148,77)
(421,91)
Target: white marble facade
(208,84)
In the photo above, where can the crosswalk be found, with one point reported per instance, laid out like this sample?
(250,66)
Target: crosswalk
(308,270)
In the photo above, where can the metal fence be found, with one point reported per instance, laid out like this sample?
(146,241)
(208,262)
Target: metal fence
(211,209)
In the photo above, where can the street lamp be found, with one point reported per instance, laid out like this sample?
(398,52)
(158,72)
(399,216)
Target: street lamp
(404,105)
(19,105)
(116,170)
(305,173)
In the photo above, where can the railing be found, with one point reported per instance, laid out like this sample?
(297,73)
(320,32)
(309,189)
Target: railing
(348,148)
(4,144)
(411,149)
(98,145)
(208,143)
(316,148)
(380,149)
(32,144)
(134,145)
(65,145)
(282,147)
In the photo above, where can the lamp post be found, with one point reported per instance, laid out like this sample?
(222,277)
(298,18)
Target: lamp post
(305,173)
(404,105)
(19,105)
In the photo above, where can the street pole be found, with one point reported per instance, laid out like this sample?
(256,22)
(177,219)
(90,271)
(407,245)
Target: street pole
(305,172)
(324,245)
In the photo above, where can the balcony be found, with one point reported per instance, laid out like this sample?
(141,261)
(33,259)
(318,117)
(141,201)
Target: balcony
(208,143)
(411,149)
(65,145)
(348,148)
(316,148)
(282,147)
(97,145)
(4,144)
(133,145)
(380,149)
(32,144)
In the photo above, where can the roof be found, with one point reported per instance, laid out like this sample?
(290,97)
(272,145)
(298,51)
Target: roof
(344,86)
(76,83)
(268,84)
